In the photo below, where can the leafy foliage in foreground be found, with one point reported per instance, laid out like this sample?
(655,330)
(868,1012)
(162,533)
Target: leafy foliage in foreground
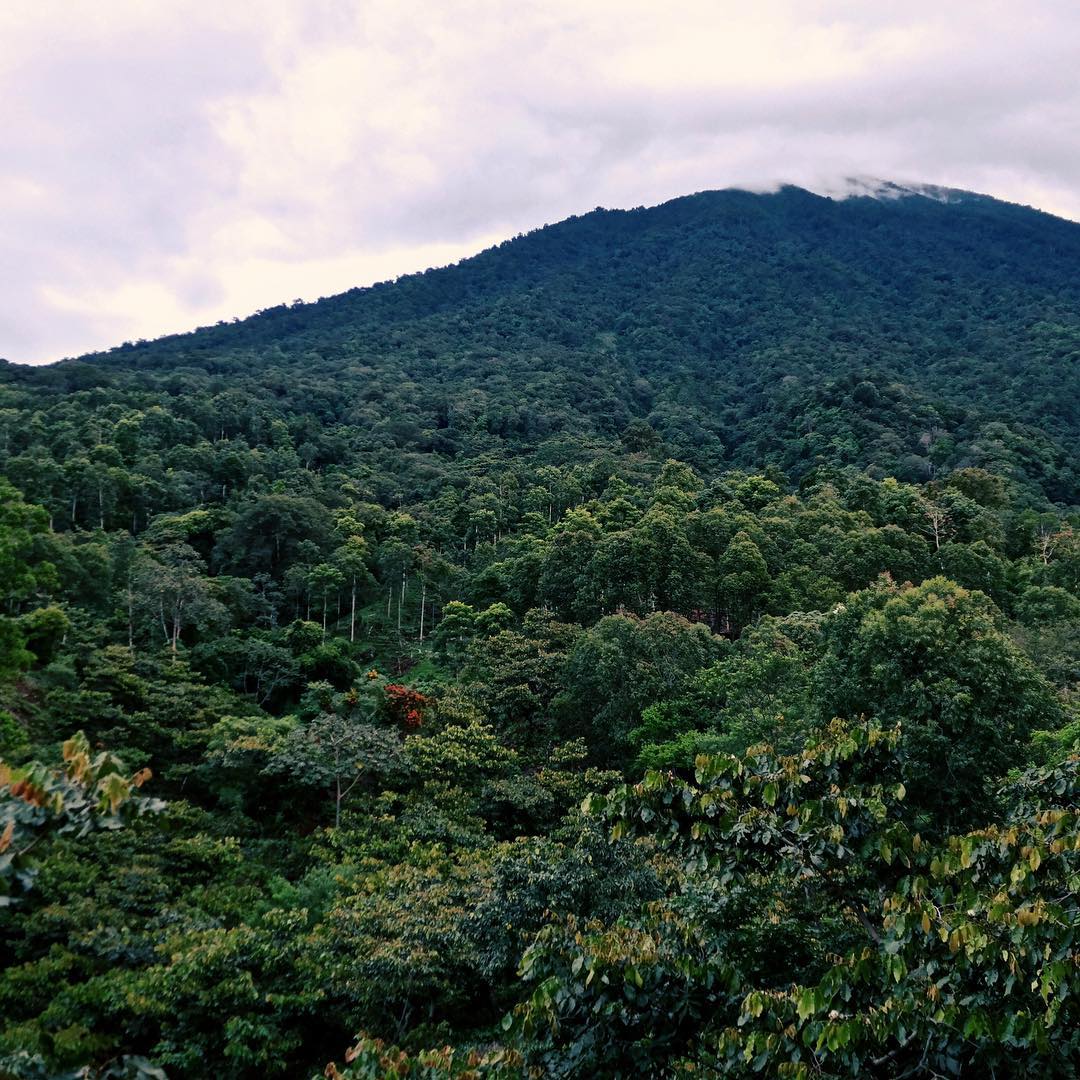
(371,1059)
(86,793)
(963,954)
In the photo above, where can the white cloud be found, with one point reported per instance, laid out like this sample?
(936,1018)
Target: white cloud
(166,166)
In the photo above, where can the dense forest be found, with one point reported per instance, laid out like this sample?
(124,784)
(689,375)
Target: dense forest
(650,647)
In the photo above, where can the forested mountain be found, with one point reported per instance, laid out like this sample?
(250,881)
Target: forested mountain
(907,335)
(650,646)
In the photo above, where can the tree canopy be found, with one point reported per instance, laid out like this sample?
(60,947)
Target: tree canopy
(649,648)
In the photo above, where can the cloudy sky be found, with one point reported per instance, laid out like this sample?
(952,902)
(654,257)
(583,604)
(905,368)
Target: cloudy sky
(166,165)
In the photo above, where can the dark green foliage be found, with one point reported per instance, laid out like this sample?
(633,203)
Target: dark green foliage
(934,659)
(770,497)
(622,665)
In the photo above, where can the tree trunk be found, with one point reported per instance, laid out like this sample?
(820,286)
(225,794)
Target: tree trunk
(352,613)
(423,604)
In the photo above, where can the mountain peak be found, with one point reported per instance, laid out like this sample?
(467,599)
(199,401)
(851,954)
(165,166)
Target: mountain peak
(873,187)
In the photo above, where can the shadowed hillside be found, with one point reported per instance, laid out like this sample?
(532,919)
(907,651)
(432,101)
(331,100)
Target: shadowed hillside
(905,334)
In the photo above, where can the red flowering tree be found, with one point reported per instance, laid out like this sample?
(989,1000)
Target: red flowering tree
(405,706)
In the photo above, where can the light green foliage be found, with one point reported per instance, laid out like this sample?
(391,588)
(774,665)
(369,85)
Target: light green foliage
(494,619)
(459,755)
(247,742)
(743,576)
(455,629)
(759,691)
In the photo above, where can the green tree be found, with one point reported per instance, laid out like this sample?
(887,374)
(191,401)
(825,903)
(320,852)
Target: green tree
(337,752)
(624,664)
(324,581)
(351,560)
(172,590)
(742,576)
(935,659)
(24,574)
(929,959)
(455,629)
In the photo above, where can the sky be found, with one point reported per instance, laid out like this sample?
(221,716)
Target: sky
(167,165)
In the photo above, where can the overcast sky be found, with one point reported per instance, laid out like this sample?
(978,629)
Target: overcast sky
(166,165)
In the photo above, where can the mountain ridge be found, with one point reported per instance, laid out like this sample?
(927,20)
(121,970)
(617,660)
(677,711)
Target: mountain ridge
(737,326)
(848,188)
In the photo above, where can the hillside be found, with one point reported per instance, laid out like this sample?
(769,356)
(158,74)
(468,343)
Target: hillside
(648,648)
(906,334)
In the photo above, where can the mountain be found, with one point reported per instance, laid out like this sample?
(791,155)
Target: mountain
(903,329)
(325,633)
